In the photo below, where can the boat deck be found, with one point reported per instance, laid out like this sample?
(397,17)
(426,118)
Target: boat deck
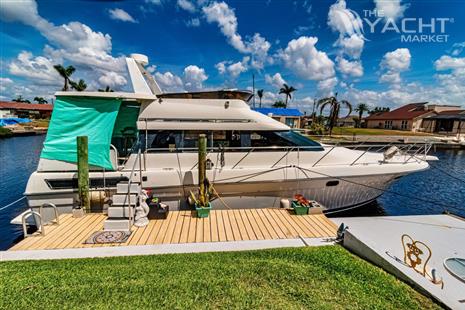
(183,227)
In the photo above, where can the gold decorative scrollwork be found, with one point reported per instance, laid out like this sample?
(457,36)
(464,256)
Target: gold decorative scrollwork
(417,255)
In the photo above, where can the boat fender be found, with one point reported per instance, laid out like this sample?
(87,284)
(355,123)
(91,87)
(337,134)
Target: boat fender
(284,203)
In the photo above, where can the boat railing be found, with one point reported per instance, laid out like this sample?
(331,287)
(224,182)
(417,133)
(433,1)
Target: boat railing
(412,151)
(127,199)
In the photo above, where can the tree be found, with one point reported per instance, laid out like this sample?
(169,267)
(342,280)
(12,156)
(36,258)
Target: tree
(106,89)
(40,100)
(379,110)
(65,74)
(287,90)
(260,96)
(279,104)
(20,98)
(79,86)
(335,108)
(361,108)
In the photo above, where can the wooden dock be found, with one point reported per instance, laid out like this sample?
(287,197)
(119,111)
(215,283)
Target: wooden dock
(183,227)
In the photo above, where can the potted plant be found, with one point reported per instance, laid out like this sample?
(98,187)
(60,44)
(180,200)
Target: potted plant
(202,204)
(300,205)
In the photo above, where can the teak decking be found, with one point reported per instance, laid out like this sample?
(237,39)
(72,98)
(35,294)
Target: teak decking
(183,227)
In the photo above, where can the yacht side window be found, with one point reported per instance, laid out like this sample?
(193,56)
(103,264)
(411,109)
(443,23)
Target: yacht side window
(164,140)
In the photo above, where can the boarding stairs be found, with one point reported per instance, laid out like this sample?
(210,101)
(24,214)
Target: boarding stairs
(122,209)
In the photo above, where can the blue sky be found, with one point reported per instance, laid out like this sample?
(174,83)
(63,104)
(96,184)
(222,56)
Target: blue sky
(319,47)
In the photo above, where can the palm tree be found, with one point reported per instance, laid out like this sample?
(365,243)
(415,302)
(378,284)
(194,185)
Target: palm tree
(361,108)
(279,104)
(287,90)
(20,98)
(106,89)
(79,86)
(335,107)
(260,96)
(65,74)
(40,100)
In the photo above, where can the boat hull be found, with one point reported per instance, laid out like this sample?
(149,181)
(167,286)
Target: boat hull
(334,193)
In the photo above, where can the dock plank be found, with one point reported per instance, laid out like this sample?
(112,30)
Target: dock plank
(183,227)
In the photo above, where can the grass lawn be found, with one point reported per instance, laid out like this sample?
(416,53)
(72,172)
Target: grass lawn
(375,132)
(320,277)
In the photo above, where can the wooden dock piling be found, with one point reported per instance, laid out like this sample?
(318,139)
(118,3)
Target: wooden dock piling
(83,171)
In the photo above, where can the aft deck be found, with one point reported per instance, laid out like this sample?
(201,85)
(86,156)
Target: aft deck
(183,227)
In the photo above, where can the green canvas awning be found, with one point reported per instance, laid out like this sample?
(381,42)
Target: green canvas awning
(81,116)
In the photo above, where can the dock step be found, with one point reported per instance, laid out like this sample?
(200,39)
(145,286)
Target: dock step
(124,187)
(124,199)
(119,211)
(117,224)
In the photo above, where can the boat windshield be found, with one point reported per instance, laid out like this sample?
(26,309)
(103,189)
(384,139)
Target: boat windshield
(186,140)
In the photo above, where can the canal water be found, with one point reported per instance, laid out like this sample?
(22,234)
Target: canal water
(428,192)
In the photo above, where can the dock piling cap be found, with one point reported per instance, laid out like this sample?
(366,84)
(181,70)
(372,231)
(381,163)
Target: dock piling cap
(140,58)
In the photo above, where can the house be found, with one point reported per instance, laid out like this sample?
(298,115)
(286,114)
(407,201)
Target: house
(25,110)
(408,117)
(290,117)
(445,122)
(348,121)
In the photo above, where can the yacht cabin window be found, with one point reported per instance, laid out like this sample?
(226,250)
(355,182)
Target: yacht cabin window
(187,140)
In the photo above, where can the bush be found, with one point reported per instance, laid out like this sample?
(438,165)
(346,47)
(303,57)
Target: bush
(5,132)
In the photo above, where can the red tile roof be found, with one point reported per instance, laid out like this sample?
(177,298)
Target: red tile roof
(25,106)
(406,112)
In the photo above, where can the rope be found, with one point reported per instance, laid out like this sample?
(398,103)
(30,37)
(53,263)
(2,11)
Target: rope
(10,204)
(219,197)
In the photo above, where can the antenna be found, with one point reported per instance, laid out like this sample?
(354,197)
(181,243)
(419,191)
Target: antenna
(253,87)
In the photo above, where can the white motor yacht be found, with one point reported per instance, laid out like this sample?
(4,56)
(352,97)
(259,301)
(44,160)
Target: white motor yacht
(150,137)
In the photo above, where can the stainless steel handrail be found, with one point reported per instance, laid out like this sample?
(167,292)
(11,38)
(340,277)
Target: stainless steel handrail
(128,195)
(55,209)
(406,149)
(27,215)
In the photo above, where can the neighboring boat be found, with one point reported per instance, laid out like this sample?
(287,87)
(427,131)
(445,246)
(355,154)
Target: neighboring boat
(151,137)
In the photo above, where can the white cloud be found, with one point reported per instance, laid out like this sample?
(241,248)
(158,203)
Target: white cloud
(22,11)
(169,82)
(151,69)
(344,20)
(325,87)
(155,2)
(391,78)
(122,15)
(112,79)
(258,47)
(193,22)
(352,46)
(276,80)
(394,63)
(87,50)
(350,28)
(224,16)
(349,68)
(457,48)
(232,70)
(5,84)
(302,57)
(186,5)
(446,62)
(194,77)
(39,69)
(392,9)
